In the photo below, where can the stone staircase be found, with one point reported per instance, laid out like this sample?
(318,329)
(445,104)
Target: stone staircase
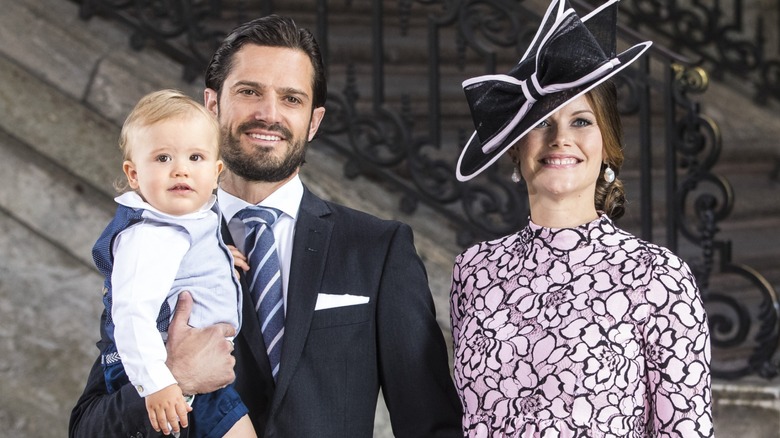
(66,85)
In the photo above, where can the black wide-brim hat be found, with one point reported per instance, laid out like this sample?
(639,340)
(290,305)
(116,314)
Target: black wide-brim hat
(567,58)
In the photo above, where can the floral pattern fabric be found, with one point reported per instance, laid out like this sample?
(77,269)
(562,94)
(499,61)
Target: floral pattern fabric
(579,332)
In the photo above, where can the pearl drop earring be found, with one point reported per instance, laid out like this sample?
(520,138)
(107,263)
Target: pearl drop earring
(609,175)
(516,178)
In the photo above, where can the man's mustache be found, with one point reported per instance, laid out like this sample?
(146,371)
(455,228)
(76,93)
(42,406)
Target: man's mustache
(275,127)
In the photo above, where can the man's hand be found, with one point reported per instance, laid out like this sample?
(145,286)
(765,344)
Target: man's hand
(200,359)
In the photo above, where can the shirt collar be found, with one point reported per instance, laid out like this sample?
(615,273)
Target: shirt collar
(286,198)
(133,200)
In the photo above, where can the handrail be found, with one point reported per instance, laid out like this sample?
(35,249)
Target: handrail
(721,36)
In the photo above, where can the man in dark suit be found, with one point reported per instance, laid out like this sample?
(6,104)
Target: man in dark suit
(358,310)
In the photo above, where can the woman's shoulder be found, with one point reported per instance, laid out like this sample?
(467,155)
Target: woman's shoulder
(656,266)
(487,250)
(640,249)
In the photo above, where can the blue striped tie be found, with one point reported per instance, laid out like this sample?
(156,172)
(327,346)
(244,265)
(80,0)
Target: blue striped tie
(265,279)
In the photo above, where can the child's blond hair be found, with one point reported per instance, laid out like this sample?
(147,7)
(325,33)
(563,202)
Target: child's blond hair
(159,106)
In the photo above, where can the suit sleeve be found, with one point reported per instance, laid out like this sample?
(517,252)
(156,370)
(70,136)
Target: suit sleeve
(414,367)
(99,414)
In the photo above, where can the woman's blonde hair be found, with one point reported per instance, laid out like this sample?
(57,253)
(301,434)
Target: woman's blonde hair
(610,197)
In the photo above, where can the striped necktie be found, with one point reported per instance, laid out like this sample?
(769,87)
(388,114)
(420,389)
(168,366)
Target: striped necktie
(265,279)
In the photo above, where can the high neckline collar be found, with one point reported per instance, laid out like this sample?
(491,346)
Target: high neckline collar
(567,239)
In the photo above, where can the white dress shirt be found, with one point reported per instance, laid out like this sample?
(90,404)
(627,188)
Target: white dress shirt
(287,199)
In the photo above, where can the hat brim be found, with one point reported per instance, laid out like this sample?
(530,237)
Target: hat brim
(473,160)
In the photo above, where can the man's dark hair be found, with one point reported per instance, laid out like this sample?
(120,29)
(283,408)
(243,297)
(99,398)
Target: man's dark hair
(269,31)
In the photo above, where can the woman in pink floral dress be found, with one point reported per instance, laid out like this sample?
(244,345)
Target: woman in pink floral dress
(571,327)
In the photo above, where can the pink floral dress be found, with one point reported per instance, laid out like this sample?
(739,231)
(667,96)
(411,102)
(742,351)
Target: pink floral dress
(579,332)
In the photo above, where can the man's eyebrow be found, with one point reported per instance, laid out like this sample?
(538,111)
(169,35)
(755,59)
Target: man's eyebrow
(294,91)
(282,90)
(252,84)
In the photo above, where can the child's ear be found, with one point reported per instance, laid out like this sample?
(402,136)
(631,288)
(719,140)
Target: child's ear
(220,168)
(132,176)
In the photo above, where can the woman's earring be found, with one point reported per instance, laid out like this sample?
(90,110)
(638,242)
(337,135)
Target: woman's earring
(609,175)
(516,178)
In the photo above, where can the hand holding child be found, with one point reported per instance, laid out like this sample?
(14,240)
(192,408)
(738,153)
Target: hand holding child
(200,359)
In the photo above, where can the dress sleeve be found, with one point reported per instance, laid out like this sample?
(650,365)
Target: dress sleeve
(146,260)
(678,354)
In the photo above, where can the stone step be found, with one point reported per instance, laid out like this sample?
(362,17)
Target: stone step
(50,293)
(749,409)
(50,307)
(56,135)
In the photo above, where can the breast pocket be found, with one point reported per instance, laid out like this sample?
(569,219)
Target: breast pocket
(341,316)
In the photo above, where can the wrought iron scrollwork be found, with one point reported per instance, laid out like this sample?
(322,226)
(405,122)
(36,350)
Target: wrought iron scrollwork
(719,34)
(379,137)
(489,24)
(770,79)
(178,27)
(380,140)
(704,200)
(495,204)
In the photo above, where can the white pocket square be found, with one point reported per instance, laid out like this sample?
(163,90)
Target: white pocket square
(329,301)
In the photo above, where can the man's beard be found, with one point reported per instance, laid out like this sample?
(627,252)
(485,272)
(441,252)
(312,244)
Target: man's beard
(258,164)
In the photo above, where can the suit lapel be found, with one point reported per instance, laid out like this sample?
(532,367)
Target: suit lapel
(310,245)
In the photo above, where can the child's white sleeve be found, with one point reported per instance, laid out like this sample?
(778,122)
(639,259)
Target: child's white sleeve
(146,260)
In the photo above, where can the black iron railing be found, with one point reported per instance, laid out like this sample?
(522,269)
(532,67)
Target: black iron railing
(742,305)
(735,38)
(406,126)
